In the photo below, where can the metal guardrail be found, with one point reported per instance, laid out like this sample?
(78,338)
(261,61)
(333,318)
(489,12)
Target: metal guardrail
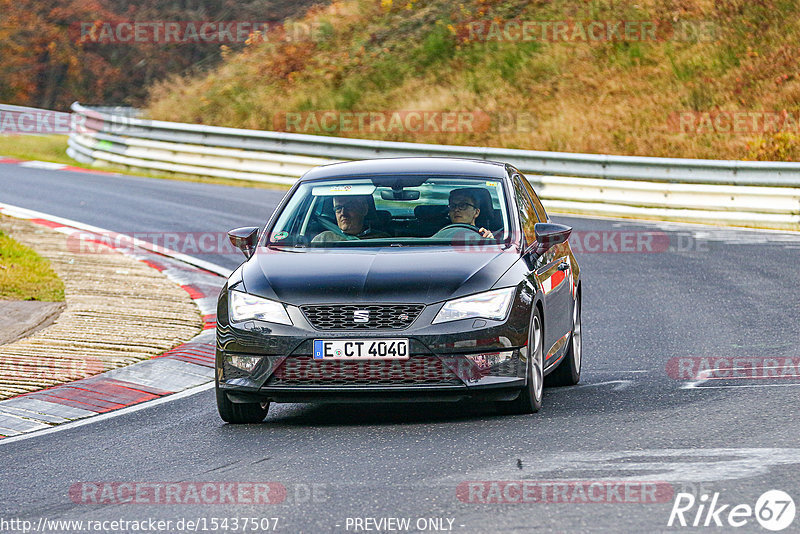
(742,193)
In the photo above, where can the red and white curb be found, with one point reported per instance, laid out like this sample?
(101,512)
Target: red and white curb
(50,166)
(187,366)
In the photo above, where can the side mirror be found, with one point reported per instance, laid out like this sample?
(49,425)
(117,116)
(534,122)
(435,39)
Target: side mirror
(244,239)
(549,235)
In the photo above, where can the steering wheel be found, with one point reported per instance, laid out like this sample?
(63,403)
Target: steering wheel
(328,224)
(455,226)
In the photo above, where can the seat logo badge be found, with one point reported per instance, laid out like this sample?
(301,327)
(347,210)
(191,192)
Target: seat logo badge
(361,316)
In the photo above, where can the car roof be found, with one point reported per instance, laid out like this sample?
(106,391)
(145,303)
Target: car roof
(394,166)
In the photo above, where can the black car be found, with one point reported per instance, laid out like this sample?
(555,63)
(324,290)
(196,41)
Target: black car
(406,279)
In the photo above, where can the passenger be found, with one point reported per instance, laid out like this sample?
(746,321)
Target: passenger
(351,213)
(463,206)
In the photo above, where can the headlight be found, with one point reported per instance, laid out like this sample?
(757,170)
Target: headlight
(489,305)
(243,306)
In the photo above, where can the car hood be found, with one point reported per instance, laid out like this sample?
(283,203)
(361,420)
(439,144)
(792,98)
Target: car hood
(411,275)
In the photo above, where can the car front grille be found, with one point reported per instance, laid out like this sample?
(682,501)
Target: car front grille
(379,316)
(415,371)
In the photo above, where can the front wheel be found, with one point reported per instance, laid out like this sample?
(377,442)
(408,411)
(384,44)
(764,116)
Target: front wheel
(568,373)
(240,413)
(530,398)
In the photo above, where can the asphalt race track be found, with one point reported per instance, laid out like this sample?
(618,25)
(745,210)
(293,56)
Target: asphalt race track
(640,419)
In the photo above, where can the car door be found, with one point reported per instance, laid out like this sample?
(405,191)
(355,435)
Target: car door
(550,272)
(565,256)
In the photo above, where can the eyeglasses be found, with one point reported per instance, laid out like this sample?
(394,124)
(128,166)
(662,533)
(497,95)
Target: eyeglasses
(461,206)
(342,207)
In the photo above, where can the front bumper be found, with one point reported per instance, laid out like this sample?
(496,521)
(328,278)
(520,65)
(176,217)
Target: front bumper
(448,361)
(500,392)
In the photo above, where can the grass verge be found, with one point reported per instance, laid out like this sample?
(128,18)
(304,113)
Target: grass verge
(24,275)
(36,147)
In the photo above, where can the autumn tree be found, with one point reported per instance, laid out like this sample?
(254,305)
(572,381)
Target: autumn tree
(47,61)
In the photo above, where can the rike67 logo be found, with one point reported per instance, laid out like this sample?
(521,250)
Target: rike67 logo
(774,510)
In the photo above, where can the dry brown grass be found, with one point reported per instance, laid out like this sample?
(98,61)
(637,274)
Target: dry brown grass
(602,97)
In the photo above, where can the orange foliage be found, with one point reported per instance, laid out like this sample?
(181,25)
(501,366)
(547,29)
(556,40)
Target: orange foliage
(45,62)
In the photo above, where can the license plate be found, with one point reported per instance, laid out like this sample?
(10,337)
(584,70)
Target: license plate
(361,349)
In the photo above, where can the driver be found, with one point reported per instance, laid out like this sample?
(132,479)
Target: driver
(351,212)
(463,208)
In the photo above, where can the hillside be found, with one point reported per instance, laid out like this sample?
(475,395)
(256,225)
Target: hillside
(687,78)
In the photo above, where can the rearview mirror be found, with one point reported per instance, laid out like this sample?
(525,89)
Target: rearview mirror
(549,235)
(403,194)
(244,239)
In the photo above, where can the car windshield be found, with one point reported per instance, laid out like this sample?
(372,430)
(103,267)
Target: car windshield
(393,211)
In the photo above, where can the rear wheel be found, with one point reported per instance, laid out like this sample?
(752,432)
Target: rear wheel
(240,413)
(530,398)
(569,372)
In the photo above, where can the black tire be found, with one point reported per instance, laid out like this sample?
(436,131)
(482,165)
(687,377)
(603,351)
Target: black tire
(240,413)
(530,398)
(568,372)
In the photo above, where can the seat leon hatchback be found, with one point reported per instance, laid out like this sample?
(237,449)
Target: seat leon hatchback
(410,279)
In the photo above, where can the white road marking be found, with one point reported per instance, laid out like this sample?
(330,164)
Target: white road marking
(663,465)
(619,385)
(746,386)
(42,165)
(110,415)
(701,378)
(678,226)
(754,377)
(707,375)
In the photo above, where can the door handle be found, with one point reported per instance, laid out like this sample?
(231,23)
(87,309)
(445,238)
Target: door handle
(563,266)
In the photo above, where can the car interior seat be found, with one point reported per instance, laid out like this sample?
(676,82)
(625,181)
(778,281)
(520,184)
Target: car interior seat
(431,218)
